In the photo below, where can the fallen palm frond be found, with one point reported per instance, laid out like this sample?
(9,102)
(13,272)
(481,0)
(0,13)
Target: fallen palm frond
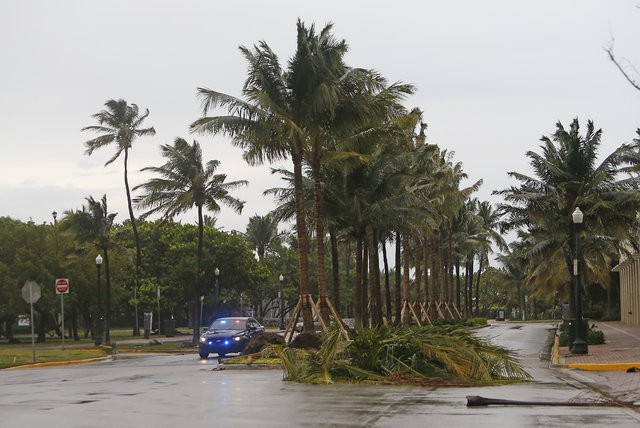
(446,354)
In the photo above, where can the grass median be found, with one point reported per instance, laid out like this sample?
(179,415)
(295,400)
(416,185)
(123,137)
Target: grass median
(51,351)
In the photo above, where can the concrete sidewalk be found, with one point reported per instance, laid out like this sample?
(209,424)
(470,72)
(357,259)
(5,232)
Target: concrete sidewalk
(621,350)
(613,368)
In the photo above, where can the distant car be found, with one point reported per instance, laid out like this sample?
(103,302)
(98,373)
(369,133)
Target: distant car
(228,336)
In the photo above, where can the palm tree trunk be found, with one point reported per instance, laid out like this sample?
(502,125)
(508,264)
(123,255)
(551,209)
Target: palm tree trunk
(398,279)
(418,271)
(458,287)
(449,262)
(470,282)
(358,310)
(435,295)
(366,315)
(406,253)
(374,269)
(136,237)
(466,289)
(387,285)
(335,266)
(303,242)
(196,308)
(425,262)
(477,311)
(319,223)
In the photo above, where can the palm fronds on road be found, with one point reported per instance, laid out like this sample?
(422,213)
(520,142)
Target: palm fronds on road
(442,354)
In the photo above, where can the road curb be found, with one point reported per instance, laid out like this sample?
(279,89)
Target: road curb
(604,367)
(60,363)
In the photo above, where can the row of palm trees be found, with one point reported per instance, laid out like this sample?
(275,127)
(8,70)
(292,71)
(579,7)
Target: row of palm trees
(363,173)
(359,171)
(355,155)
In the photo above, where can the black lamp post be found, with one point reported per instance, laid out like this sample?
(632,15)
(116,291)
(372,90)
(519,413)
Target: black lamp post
(201,315)
(281,278)
(216,273)
(98,333)
(579,345)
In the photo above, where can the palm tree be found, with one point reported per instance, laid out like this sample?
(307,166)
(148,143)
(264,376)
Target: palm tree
(283,112)
(120,123)
(184,182)
(566,176)
(93,225)
(262,233)
(489,224)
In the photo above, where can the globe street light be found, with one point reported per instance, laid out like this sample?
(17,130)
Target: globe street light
(579,345)
(98,328)
(281,278)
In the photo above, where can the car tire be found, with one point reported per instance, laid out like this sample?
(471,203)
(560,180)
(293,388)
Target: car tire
(204,355)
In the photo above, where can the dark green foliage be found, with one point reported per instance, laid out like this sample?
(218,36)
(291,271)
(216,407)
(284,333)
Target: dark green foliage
(594,336)
(466,322)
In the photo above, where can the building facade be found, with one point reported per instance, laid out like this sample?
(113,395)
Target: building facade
(629,271)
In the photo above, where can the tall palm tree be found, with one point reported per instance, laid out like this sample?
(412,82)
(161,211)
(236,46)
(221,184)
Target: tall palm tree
(489,224)
(184,182)
(282,113)
(566,176)
(120,123)
(93,225)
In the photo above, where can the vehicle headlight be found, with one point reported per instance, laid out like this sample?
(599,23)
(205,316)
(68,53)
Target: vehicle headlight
(237,338)
(203,339)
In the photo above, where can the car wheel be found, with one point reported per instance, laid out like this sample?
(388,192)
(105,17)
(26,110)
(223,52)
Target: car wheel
(204,355)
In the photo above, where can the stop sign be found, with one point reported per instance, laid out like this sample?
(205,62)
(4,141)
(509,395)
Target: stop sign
(62,286)
(31,292)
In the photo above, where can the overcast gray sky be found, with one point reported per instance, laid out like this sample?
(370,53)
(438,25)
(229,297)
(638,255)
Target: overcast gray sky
(492,77)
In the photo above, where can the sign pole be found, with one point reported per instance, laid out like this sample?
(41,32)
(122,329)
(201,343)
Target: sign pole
(33,342)
(31,293)
(62,288)
(62,310)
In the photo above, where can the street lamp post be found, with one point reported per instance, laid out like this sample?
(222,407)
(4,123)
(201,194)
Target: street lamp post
(55,235)
(281,278)
(579,345)
(216,273)
(98,328)
(201,306)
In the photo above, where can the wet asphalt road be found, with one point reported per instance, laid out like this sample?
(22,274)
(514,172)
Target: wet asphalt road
(183,391)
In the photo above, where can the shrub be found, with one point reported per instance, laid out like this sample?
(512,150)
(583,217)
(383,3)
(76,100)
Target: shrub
(594,336)
(467,322)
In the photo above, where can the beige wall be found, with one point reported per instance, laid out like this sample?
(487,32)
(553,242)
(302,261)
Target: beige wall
(629,271)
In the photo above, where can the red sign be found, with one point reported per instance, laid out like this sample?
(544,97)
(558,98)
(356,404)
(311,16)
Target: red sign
(62,286)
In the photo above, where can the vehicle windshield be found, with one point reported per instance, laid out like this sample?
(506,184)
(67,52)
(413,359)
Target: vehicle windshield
(228,324)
